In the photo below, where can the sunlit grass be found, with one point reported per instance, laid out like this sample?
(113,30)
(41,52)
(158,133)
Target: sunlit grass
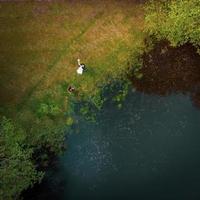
(40,44)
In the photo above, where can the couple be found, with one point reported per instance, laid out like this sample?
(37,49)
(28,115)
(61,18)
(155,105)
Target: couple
(81,67)
(79,71)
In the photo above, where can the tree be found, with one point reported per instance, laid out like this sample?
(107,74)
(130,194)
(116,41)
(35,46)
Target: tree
(17,171)
(175,20)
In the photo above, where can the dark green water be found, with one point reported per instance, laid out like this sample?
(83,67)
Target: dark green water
(150,149)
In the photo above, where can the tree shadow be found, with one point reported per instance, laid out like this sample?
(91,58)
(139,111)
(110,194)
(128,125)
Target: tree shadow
(168,70)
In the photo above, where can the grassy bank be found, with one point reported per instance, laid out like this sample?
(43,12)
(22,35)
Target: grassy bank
(40,44)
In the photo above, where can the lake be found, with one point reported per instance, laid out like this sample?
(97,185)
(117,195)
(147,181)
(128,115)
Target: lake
(148,149)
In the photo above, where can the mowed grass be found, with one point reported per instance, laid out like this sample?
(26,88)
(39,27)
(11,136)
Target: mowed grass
(40,44)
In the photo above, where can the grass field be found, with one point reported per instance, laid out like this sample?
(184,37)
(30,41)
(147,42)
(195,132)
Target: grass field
(40,43)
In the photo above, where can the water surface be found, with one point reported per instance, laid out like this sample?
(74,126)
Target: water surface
(149,149)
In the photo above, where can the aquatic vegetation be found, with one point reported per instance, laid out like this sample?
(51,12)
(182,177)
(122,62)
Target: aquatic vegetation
(121,92)
(69,121)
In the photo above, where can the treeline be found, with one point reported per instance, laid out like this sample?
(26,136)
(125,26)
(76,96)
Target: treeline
(177,21)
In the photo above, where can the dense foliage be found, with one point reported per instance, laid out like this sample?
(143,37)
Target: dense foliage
(175,20)
(17,170)
(28,141)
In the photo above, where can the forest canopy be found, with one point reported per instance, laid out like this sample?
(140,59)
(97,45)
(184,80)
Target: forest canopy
(16,167)
(176,21)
